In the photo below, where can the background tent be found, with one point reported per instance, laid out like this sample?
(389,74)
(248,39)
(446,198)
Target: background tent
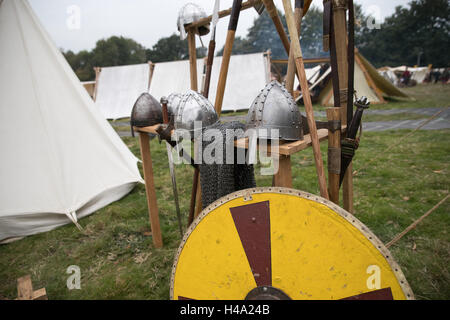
(418,74)
(173,77)
(119,87)
(248,74)
(368,82)
(60,159)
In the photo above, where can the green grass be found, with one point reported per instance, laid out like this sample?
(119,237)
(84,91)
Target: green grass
(118,260)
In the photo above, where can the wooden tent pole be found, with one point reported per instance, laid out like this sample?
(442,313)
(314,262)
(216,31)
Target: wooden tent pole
(151,68)
(340,32)
(97,70)
(306,97)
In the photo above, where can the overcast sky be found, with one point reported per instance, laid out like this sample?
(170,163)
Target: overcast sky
(146,21)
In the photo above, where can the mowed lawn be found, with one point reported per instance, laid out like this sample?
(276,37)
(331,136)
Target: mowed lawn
(118,260)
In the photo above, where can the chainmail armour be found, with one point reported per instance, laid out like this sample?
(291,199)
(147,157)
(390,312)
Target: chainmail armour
(219,180)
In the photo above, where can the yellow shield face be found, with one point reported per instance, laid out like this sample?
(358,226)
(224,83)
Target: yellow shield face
(277,243)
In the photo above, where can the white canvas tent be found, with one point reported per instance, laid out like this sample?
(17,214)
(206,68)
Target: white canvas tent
(119,87)
(173,77)
(389,75)
(248,74)
(418,74)
(60,159)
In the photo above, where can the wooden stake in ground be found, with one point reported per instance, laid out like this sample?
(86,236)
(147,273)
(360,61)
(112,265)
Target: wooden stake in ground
(25,290)
(306,98)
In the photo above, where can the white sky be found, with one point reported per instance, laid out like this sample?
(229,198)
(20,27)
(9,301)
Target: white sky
(146,21)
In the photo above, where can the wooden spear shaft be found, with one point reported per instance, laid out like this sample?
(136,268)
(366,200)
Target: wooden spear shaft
(290,76)
(234,18)
(306,97)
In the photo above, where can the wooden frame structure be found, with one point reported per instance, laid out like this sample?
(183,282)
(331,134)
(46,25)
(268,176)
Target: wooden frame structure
(284,176)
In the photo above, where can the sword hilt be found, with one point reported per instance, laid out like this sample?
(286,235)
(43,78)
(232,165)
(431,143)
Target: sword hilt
(165,110)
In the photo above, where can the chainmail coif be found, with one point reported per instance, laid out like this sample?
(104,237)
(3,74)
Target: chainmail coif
(219,180)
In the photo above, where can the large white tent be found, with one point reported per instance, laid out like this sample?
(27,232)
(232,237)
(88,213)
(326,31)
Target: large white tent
(119,87)
(248,74)
(60,159)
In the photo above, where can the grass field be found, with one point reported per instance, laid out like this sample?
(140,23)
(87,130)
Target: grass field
(118,261)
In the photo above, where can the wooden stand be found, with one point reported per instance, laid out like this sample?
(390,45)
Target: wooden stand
(283,178)
(147,163)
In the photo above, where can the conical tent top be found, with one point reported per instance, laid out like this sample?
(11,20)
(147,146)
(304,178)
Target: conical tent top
(274,108)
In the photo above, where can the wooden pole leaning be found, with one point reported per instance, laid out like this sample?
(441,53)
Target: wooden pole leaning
(290,75)
(234,18)
(196,194)
(272,11)
(306,97)
(340,32)
(334,154)
(144,141)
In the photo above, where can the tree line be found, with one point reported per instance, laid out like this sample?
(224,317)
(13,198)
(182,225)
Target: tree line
(418,33)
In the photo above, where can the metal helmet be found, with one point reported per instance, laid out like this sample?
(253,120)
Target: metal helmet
(194,107)
(147,111)
(173,102)
(191,13)
(274,108)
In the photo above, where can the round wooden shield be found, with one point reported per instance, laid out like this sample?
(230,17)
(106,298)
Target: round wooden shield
(277,243)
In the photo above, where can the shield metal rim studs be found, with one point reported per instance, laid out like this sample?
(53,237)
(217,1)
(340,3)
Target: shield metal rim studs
(242,213)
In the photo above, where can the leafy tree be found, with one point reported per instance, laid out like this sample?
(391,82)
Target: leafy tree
(312,34)
(118,51)
(171,49)
(263,36)
(82,64)
(422,29)
(114,51)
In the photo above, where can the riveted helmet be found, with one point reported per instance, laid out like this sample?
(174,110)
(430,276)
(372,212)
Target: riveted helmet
(193,108)
(274,108)
(147,111)
(191,13)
